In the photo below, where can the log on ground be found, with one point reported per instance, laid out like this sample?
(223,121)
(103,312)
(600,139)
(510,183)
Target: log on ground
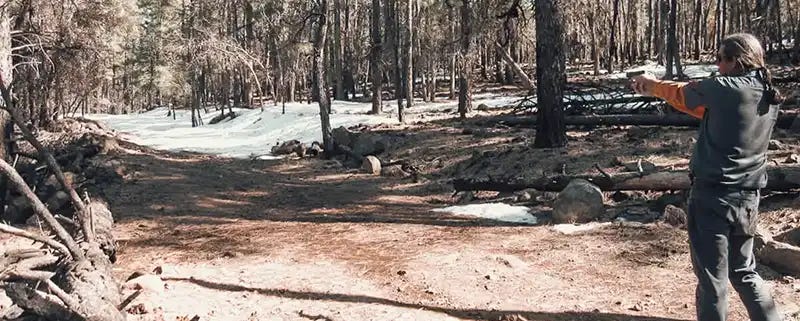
(780,178)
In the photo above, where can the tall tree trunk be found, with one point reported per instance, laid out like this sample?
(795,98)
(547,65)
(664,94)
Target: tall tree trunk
(719,23)
(550,74)
(319,74)
(375,57)
(464,85)
(409,55)
(451,16)
(673,34)
(595,50)
(6,77)
(612,43)
(671,38)
(698,22)
(650,33)
(396,60)
(338,51)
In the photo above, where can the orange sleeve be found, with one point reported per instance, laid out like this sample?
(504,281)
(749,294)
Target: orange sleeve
(673,93)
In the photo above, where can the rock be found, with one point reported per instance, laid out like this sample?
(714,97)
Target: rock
(148,283)
(394,171)
(300,150)
(677,199)
(482,107)
(343,136)
(527,195)
(18,210)
(620,196)
(371,165)
(370,144)
(792,159)
(638,133)
(315,150)
(647,167)
(287,147)
(775,144)
(675,216)
(580,202)
(57,201)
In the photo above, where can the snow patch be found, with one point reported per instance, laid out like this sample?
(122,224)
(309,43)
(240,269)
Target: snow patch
(254,132)
(493,211)
(577,228)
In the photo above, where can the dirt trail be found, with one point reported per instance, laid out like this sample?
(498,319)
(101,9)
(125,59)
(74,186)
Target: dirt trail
(306,240)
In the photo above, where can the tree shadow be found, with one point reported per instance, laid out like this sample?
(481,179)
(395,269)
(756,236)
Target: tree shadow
(471,314)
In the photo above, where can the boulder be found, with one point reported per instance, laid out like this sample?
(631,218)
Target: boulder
(315,149)
(580,202)
(286,148)
(371,165)
(370,144)
(343,136)
(482,107)
(675,216)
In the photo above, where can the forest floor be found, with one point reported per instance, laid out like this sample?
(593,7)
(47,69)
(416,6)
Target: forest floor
(308,239)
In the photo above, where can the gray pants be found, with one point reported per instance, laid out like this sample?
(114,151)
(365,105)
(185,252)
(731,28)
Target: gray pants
(721,226)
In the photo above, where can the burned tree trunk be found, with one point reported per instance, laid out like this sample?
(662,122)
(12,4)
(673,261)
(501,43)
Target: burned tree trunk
(375,57)
(464,82)
(550,74)
(320,34)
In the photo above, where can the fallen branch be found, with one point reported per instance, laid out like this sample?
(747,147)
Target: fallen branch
(36,237)
(783,178)
(40,209)
(526,81)
(44,154)
(784,121)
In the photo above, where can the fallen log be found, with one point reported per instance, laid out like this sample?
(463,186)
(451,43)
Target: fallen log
(523,77)
(780,178)
(681,120)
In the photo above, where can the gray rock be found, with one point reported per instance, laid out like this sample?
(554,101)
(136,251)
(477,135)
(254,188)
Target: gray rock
(482,107)
(675,216)
(371,165)
(370,144)
(343,136)
(580,202)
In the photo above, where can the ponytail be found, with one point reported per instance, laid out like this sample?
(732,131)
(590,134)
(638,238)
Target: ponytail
(772,94)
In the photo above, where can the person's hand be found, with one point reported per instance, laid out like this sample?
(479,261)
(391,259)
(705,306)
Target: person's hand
(643,84)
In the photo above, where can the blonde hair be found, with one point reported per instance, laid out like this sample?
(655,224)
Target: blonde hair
(746,51)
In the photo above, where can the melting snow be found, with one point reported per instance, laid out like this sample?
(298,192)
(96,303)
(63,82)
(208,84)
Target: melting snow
(493,211)
(254,131)
(577,228)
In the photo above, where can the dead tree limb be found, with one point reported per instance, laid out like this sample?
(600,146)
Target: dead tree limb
(40,209)
(780,178)
(83,216)
(36,237)
(526,81)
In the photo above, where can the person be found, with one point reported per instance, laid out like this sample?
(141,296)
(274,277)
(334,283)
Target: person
(728,168)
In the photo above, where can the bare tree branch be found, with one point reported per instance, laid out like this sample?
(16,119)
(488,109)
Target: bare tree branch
(36,237)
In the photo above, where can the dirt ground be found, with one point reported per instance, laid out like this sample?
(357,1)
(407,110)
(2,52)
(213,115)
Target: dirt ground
(307,239)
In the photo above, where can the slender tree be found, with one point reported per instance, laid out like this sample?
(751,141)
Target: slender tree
(375,57)
(320,33)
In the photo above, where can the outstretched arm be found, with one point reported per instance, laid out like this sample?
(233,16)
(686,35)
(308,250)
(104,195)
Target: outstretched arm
(674,93)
